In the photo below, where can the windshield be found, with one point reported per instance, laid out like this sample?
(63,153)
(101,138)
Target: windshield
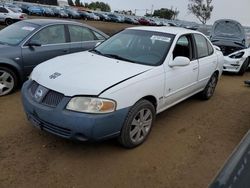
(14,34)
(137,46)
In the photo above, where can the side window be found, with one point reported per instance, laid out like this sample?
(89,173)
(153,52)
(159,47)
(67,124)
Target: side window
(210,48)
(183,47)
(50,35)
(99,36)
(79,34)
(202,47)
(3,10)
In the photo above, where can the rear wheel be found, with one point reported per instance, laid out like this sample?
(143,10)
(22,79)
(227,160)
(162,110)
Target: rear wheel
(8,21)
(8,81)
(244,67)
(138,124)
(208,92)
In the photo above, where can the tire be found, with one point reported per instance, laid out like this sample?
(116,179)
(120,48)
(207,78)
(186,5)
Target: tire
(9,21)
(8,81)
(137,124)
(244,67)
(208,92)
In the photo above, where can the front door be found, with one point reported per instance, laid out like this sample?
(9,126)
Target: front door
(181,81)
(48,43)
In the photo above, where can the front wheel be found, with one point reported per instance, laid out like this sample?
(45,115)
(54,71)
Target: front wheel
(8,81)
(137,124)
(244,67)
(208,92)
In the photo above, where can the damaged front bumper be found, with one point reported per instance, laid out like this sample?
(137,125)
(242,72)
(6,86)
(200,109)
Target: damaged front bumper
(233,63)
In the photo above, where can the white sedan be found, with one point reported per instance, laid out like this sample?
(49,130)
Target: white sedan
(116,89)
(9,16)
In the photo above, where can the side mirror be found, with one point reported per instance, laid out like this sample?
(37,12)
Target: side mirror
(179,61)
(32,44)
(97,44)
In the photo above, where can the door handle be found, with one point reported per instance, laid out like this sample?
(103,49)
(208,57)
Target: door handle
(195,68)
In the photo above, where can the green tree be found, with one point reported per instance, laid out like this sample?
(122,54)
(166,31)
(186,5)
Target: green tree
(98,5)
(202,9)
(166,13)
(77,3)
(70,2)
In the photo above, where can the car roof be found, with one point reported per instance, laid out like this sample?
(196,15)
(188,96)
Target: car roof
(43,22)
(166,29)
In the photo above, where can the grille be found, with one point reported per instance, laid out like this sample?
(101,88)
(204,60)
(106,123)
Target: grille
(33,87)
(52,98)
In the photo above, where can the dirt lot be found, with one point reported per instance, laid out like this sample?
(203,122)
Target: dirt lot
(187,146)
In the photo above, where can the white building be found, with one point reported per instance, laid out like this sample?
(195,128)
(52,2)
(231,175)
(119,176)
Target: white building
(62,3)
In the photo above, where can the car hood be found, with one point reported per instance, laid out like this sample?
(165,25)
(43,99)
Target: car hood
(84,73)
(228,29)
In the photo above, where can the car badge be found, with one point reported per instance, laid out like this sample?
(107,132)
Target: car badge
(55,75)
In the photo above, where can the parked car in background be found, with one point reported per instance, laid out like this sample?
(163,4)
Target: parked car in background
(35,10)
(27,43)
(230,36)
(102,16)
(8,16)
(130,20)
(116,89)
(60,13)
(48,11)
(114,18)
(12,7)
(85,15)
(72,13)
(144,21)
(94,16)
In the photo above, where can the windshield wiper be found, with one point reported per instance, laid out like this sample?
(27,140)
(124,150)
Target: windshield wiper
(96,51)
(119,57)
(3,43)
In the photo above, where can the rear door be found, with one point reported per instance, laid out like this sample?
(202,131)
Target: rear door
(207,59)
(53,43)
(82,38)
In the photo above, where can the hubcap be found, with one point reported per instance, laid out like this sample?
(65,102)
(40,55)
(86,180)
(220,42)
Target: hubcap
(211,86)
(141,125)
(6,82)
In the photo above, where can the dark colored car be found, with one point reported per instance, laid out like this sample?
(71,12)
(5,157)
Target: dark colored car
(84,15)
(131,21)
(60,13)
(25,44)
(236,171)
(114,18)
(229,35)
(103,17)
(73,13)
(35,10)
(48,11)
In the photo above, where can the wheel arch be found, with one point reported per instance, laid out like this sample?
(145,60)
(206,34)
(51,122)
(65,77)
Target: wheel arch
(15,69)
(151,99)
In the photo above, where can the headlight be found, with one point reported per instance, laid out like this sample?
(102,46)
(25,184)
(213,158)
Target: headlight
(91,105)
(237,55)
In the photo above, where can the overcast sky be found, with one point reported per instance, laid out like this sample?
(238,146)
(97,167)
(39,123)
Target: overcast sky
(234,9)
